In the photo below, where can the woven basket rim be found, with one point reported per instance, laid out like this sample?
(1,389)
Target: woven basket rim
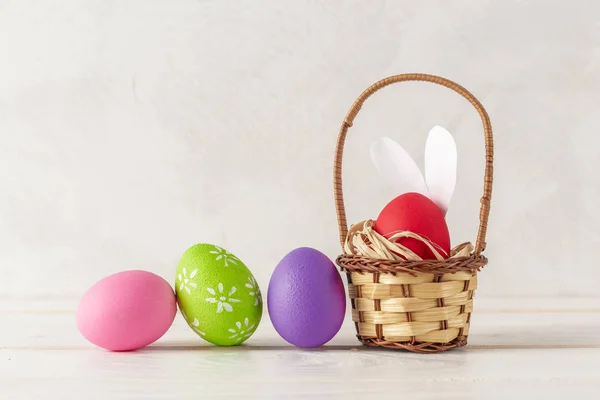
(358,263)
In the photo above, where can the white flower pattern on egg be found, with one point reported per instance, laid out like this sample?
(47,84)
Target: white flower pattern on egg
(243,331)
(195,324)
(222,300)
(254,290)
(224,255)
(185,282)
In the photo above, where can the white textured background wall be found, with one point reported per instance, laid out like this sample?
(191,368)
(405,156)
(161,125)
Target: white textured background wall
(130,130)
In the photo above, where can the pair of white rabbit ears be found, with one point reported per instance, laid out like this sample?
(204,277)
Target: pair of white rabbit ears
(401,172)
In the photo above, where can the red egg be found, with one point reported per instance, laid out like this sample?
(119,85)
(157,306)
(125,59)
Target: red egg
(418,214)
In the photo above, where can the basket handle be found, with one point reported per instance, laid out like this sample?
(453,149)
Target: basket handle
(489,150)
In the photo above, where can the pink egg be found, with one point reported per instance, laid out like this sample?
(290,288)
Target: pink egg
(127,310)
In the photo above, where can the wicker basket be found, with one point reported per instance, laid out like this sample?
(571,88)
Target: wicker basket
(421,306)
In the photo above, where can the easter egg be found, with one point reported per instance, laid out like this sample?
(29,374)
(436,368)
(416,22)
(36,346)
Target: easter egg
(418,214)
(306,298)
(127,310)
(217,295)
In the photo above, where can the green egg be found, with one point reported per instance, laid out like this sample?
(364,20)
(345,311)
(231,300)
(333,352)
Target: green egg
(217,295)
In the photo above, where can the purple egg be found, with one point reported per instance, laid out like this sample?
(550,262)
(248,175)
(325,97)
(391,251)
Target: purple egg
(306,298)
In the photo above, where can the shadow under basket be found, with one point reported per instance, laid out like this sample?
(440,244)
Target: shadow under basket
(422,306)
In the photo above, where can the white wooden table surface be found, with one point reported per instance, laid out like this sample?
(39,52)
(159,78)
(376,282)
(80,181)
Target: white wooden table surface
(520,348)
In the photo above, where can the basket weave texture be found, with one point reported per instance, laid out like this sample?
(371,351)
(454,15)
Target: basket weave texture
(422,306)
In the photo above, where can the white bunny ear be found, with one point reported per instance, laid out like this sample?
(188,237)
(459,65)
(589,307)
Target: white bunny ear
(440,166)
(397,167)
